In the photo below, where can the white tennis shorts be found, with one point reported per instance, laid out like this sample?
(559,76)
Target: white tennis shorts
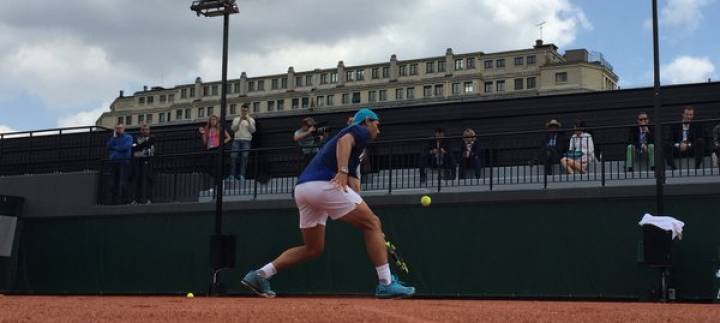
(319,200)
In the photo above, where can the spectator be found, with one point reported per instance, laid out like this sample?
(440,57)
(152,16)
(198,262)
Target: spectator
(309,139)
(244,128)
(142,167)
(553,146)
(581,150)
(716,145)
(471,154)
(210,135)
(640,143)
(119,149)
(437,155)
(687,139)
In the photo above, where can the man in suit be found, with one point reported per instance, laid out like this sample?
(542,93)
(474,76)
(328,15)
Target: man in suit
(640,143)
(687,139)
(553,146)
(471,155)
(716,145)
(438,155)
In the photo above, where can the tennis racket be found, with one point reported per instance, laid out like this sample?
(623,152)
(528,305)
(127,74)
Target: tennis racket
(395,255)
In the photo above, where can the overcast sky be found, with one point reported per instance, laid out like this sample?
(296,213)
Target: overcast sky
(63,62)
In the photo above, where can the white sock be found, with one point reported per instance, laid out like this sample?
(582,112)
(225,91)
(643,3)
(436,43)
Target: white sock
(384,274)
(267,271)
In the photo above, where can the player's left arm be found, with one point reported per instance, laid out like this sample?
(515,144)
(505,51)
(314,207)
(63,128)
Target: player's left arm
(342,154)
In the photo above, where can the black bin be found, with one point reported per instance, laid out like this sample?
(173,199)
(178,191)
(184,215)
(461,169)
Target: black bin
(657,245)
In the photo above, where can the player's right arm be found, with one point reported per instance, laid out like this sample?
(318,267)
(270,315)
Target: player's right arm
(342,154)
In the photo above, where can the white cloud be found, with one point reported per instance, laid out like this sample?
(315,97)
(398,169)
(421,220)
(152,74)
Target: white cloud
(6,129)
(687,14)
(688,69)
(81,119)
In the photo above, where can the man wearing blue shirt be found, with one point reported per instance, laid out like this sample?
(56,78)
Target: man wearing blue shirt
(328,188)
(119,150)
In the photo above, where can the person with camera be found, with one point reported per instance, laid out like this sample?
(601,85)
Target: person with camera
(244,128)
(309,138)
(119,150)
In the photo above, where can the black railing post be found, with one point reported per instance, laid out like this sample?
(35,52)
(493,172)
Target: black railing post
(390,170)
(255,173)
(602,169)
(492,175)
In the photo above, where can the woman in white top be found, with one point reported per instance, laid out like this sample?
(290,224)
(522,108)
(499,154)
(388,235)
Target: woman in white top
(581,151)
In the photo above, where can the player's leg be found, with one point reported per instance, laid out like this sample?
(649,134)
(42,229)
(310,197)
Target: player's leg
(364,219)
(314,239)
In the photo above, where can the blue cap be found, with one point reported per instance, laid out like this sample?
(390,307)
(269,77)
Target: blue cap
(364,113)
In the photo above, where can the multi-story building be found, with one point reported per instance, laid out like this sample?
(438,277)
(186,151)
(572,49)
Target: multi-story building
(540,70)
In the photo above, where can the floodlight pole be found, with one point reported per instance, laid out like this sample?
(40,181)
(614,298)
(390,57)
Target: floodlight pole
(220,169)
(659,155)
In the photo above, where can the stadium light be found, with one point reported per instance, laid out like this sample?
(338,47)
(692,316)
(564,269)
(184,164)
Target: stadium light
(222,247)
(657,105)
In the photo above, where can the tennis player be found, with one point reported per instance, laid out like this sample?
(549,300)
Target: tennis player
(328,188)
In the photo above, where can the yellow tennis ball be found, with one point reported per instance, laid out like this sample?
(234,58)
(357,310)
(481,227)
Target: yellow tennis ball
(190,295)
(425,201)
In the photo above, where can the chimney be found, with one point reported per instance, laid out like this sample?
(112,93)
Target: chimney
(144,87)
(538,43)
(122,93)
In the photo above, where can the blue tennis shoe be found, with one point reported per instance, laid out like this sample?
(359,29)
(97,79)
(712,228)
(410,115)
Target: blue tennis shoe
(396,289)
(258,284)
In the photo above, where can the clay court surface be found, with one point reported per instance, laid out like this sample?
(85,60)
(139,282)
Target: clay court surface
(305,309)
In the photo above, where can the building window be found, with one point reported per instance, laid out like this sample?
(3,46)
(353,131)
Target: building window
(280,105)
(413,69)
(256,107)
(456,88)
(261,85)
(179,114)
(430,67)
(519,84)
(308,80)
(171,98)
(201,112)
(192,92)
(210,111)
(519,61)
(161,117)
(121,120)
(149,118)
(531,60)
(206,90)
(439,90)
(375,73)
(345,98)
(251,86)
(305,103)
(283,83)
(331,100)
(349,76)
(427,91)
(188,113)
(295,103)
(163,98)
(372,96)
(399,94)
(488,87)
(488,64)
(530,83)
(323,78)
(320,101)
(441,67)
(271,106)
(469,88)
(383,95)
(214,90)
(403,70)
(237,87)
(141,119)
(233,109)
(274,84)
(356,97)
(298,81)
(360,75)
(333,78)
(128,120)
(459,64)
(386,72)
(229,88)
(150,99)
(500,86)
(561,77)
(471,63)
(410,94)
(500,63)
(141,100)
(183,93)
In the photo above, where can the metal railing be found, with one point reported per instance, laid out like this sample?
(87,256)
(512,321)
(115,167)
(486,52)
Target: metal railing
(498,161)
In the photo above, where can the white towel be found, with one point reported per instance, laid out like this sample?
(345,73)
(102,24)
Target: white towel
(666,223)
